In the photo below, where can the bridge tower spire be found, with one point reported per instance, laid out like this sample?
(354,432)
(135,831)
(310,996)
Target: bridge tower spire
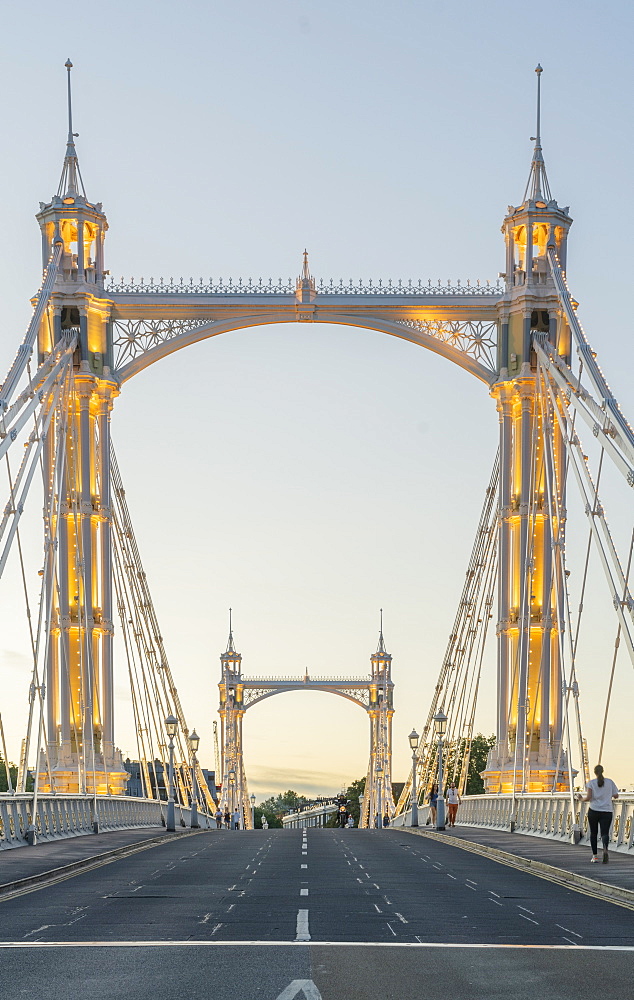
(378,798)
(79,677)
(530,584)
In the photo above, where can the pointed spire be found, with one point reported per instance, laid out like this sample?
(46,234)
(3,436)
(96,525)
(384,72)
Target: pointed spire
(230,644)
(381,646)
(305,270)
(71,175)
(538,188)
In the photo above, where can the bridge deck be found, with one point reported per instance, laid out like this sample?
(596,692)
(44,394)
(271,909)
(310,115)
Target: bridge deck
(326,915)
(36,862)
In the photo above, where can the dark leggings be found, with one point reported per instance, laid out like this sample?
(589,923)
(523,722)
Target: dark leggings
(598,819)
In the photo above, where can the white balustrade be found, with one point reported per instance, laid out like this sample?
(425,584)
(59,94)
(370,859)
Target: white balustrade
(61,816)
(550,816)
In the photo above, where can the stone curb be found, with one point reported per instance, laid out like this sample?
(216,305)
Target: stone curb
(94,861)
(615,893)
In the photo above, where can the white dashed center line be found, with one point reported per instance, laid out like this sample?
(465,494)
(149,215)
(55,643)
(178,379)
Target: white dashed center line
(302,933)
(568,931)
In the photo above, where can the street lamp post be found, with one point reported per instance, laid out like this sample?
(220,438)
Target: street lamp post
(413,742)
(253,811)
(440,725)
(194,742)
(171,728)
(361,810)
(379,778)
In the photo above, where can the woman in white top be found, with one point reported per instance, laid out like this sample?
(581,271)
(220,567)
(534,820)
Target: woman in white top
(600,792)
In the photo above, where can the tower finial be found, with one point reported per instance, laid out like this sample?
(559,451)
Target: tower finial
(230,644)
(71,174)
(68,64)
(538,188)
(305,270)
(381,646)
(539,72)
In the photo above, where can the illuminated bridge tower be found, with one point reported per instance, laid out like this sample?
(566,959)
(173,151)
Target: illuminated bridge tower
(378,784)
(235,793)
(532,510)
(79,683)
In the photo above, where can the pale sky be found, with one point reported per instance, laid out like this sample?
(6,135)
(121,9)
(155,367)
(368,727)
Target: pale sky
(309,477)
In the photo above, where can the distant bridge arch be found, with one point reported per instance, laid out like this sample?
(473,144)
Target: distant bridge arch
(374,693)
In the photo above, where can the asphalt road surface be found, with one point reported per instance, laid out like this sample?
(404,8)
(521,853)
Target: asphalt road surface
(336,915)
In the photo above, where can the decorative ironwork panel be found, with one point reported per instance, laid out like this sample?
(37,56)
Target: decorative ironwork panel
(136,336)
(476,338)
(362,697)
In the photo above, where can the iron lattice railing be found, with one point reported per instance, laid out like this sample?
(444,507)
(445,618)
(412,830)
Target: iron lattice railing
(287,286)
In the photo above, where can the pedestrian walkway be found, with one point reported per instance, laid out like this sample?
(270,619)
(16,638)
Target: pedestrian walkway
(569,858)
(36,862)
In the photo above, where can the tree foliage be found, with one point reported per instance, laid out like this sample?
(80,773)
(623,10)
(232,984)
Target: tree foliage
(277,806)
(13,771)
(480,746)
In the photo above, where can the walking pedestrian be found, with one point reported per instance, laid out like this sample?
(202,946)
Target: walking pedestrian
(218,818)
(227,818)
(386,819)
(600,793)
(432,798)
(236,819)
(453,801)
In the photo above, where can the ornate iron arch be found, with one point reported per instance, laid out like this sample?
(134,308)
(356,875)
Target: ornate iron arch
(152,321)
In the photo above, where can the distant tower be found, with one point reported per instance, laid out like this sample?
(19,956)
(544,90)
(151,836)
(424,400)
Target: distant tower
(529,724)
(79,682)
(378,794)
(231,711)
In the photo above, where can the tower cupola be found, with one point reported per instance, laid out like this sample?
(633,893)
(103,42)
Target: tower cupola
(231,667)
(536,224)
(70,217)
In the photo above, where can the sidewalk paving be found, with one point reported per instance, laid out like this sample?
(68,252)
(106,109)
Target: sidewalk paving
(618,872)
(31,862)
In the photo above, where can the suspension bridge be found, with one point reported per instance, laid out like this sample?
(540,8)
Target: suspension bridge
(520,337)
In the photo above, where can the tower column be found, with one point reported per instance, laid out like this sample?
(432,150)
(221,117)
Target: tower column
(529,669)
(106,623)
(504,597)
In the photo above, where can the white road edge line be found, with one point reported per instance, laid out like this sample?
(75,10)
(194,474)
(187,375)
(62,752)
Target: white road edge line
(7,945)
